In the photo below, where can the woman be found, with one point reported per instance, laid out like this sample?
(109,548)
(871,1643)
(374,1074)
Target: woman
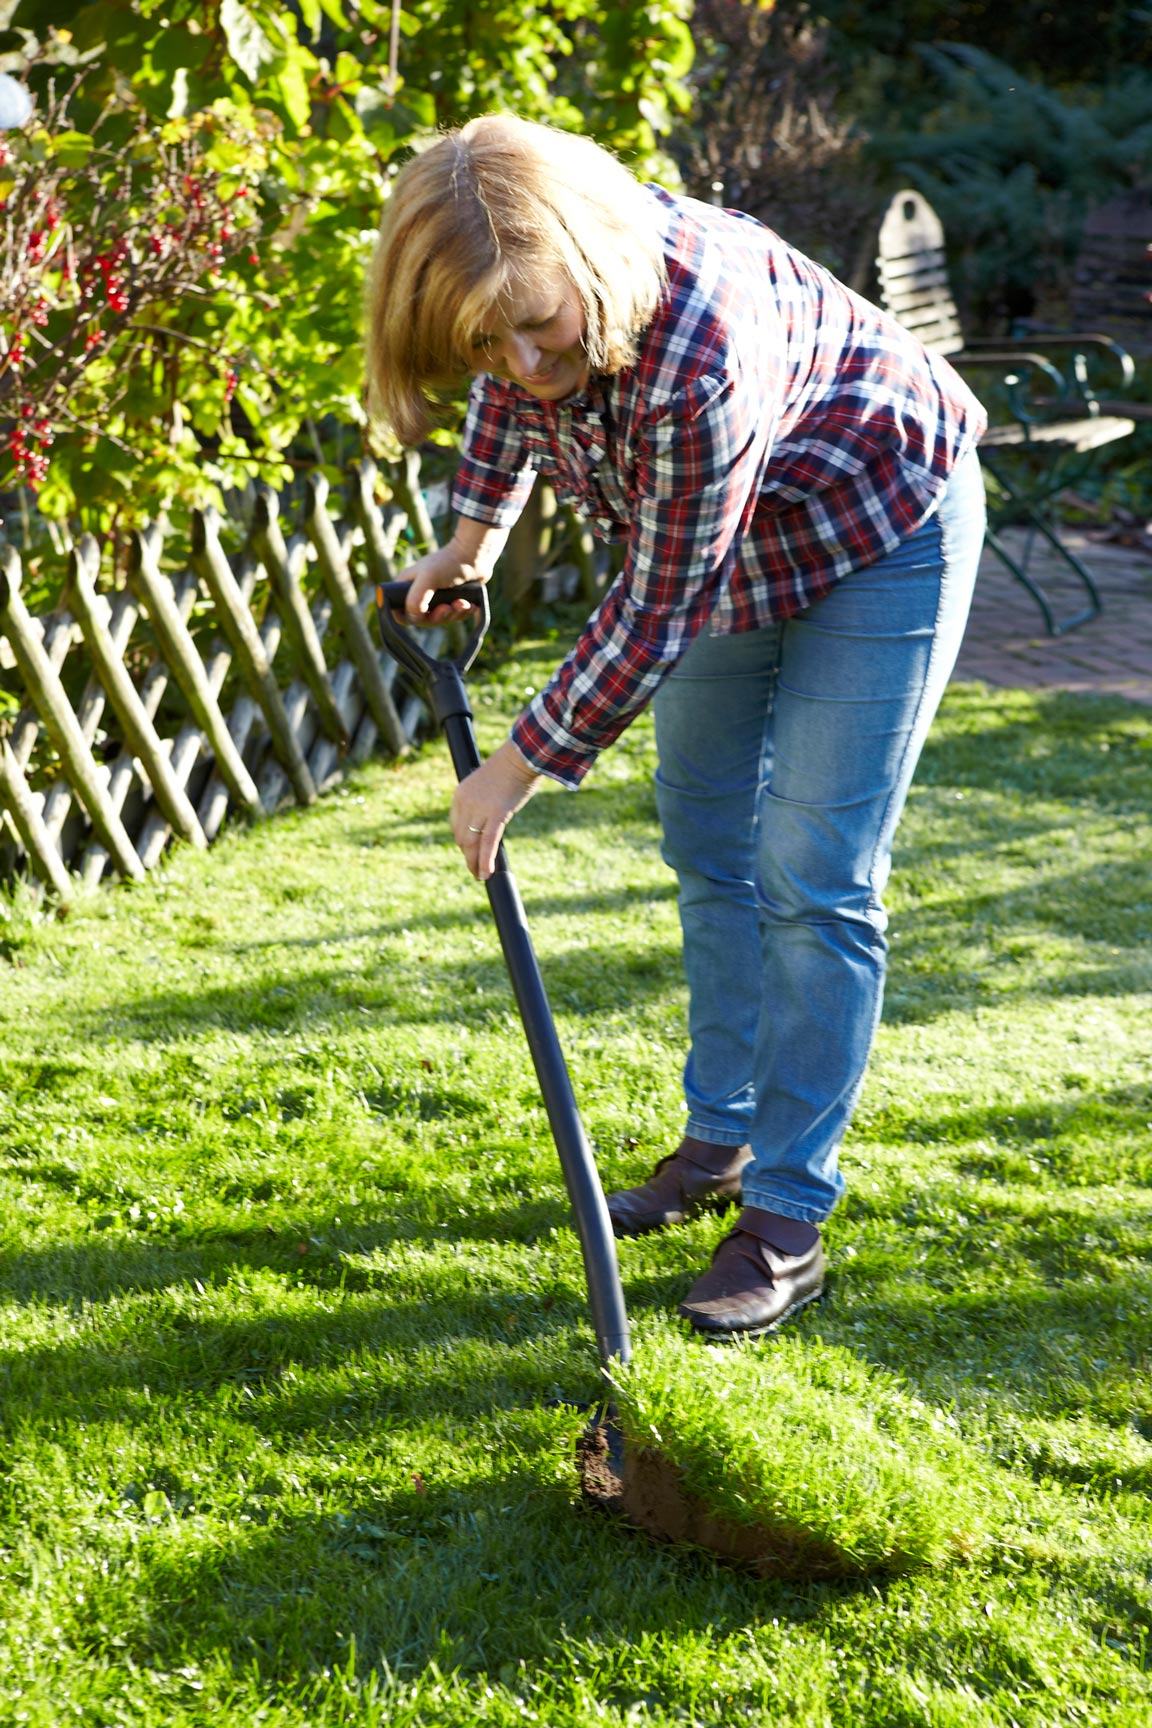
(794,481)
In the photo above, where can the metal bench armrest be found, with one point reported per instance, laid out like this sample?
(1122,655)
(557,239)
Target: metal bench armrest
(1036,336)
(1088,349)
(1010,364)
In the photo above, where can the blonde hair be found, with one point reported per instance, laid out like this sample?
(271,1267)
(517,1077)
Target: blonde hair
(501,205)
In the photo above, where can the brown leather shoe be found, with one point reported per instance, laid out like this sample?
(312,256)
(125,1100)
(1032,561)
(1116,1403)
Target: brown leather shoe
(695,1177)
(764,1271)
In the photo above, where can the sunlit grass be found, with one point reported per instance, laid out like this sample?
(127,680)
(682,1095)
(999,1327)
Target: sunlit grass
(287,1277)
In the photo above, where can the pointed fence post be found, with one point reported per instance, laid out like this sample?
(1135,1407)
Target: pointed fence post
(56,640)
(179,650)
(379,541)
(47,692)
(412,497)
(155,830)
(283,564)
(350,615)
(210,561)
(139,732)
(60,797)
(380,535)
(25,809)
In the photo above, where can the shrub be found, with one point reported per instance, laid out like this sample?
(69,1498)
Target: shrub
(1012,167)
(236,357)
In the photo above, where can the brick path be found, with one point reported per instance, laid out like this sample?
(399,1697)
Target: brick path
(1006,643)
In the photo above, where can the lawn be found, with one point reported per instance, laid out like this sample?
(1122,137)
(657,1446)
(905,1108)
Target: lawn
(288,1282)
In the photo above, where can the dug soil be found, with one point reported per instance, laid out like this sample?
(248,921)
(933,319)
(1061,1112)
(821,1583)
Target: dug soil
(647,1490)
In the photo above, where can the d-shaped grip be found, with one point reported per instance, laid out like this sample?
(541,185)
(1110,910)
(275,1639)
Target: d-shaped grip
(401,641)
(394,595)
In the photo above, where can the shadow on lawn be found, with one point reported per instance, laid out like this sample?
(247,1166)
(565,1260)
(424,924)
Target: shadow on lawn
(479,1572)
(296,986)
(1000,1130)
(989,945)
(1086,902)
(968,1289)
(592,978)
(1044,746)
(502,1566)
(394,989)
(483,1570)
(96,1269)
(378,1355)
(470,914)
(504,1574)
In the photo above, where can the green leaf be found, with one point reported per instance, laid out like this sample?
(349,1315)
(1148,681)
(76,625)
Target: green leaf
(55,497)
(348,70)
(38,16)
(176,48)
(294,93)
(374,112)
(72,148)
(100,473)
(247,43)
(415,110)
(124,35)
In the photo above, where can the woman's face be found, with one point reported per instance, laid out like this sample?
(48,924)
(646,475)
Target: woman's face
(536,341)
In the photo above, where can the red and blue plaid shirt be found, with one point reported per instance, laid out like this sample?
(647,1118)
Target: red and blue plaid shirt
(776,432)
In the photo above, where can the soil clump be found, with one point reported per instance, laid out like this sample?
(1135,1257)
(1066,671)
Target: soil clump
(641,1485)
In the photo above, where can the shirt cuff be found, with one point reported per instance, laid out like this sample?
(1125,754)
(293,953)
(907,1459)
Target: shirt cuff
(550,749)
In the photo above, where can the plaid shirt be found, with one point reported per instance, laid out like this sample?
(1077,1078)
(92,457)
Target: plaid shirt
(776,432)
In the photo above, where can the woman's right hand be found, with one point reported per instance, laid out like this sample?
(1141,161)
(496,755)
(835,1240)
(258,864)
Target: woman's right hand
(469,556)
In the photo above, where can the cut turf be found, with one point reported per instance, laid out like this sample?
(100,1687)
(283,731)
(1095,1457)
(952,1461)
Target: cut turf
(794,1459)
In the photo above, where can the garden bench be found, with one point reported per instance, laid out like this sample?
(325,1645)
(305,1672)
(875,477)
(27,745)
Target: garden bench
(1047,423)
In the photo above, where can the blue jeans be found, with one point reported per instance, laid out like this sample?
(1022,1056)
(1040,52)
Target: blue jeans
(785,756)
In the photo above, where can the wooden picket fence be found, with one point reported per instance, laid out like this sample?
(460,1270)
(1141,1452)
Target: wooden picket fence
(281,632)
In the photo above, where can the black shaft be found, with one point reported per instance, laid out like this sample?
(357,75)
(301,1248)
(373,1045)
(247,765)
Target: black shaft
(593,1225)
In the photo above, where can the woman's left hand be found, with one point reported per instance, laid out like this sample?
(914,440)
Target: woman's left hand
(486,802)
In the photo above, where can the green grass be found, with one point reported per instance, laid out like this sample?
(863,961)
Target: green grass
(287,1276)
